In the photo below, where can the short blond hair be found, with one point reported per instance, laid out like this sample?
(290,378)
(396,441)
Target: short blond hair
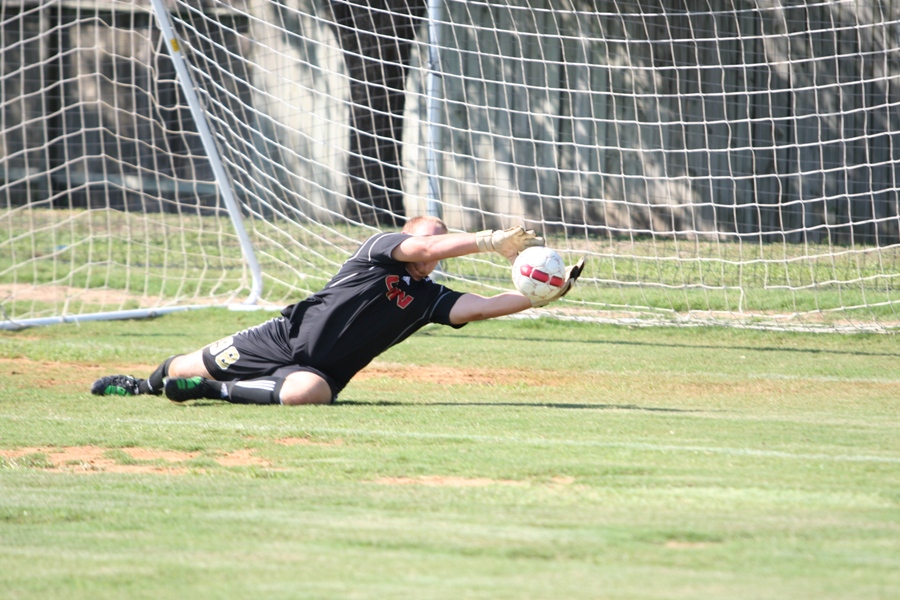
(413,224)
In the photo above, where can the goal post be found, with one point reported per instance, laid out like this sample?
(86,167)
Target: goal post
(718,162)
(209,146)
(108,208)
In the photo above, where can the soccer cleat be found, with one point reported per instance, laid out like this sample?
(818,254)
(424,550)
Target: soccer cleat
(116,385)
(181,389)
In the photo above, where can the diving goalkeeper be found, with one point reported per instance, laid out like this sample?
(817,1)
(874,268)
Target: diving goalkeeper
(380,296)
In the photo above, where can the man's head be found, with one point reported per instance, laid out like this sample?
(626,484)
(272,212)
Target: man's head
(423,226)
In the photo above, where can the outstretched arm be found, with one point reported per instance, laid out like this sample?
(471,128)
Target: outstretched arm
(472,307)
(429,248)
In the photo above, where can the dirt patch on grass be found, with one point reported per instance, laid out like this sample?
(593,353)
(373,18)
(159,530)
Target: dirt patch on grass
(242,458)
(563,480)
(67,294)
(440,375)
(45,374)
(93,459)
(168,455)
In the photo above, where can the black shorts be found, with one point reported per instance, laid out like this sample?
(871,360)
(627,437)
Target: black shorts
(261,351)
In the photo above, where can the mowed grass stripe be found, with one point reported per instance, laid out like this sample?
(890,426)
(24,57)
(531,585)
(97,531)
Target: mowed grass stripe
(511,440)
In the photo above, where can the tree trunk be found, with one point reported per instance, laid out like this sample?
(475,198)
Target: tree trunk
(376,38)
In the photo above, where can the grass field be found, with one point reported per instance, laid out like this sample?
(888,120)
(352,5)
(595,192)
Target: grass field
(514,459)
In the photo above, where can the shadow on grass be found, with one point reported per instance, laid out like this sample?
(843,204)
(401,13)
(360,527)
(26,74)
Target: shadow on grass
(557,405)
(205,403)
(685,346)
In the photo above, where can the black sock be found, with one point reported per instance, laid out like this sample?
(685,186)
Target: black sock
(154,383)
(264,390)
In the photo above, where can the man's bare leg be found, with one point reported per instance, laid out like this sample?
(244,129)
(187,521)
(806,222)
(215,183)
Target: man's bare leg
(304,387)
(188,365)
(190,380)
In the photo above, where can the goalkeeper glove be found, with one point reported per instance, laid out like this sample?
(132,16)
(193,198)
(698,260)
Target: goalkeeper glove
(508,242)
(572,275)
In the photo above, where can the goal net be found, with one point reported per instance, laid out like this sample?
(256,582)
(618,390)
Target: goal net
(717,162)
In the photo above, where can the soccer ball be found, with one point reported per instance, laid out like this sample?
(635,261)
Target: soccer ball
(538,273)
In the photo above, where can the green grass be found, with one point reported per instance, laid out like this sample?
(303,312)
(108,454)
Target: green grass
(513,459)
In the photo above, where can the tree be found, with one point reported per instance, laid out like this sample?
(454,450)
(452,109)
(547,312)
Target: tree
(376,38)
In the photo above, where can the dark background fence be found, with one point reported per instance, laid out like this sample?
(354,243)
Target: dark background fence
(91,112)
(763,120)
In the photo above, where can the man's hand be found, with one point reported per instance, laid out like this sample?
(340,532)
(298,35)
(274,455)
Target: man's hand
(508,242)
(572,274)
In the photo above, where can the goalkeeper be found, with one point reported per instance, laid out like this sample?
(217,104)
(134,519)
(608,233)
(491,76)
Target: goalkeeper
(379,297)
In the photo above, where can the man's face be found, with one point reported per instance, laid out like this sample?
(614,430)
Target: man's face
(421,270)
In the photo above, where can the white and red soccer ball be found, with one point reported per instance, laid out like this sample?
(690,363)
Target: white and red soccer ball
(539,273)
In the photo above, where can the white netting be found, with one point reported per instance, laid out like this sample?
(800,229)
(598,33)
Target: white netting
(718,161)
(106,201)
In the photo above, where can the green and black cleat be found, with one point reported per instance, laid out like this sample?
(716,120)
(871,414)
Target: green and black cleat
(116,385)
(181,389)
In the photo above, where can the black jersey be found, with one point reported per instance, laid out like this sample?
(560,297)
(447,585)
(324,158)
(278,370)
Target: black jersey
(371,304)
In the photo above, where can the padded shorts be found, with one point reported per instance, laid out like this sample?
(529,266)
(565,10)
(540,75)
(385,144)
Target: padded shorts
(260,351)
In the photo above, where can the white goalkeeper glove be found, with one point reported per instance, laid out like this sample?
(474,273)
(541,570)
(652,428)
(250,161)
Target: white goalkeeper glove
(572,275)
(508,242)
